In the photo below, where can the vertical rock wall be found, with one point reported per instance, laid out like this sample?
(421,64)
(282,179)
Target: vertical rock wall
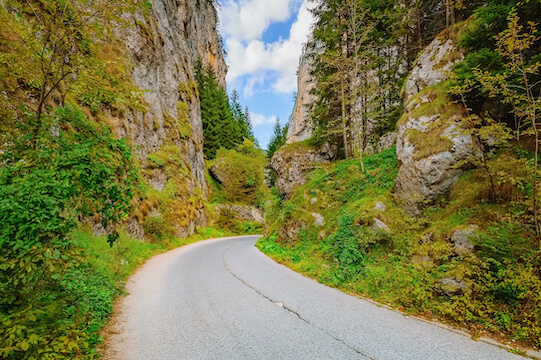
(164,45)
(301,125)
(430,144)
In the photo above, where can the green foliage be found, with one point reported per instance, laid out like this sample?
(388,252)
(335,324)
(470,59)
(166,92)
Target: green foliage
(242,177)
(278,138)
(403,268)
(357,69)
(158,228)
(225,125)
(76,168)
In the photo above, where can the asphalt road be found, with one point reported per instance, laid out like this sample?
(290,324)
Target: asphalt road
(223,299)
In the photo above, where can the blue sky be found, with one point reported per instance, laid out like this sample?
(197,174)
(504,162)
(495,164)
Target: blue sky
(263,40)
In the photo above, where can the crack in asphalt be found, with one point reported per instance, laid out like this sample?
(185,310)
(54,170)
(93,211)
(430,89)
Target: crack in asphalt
(282,305)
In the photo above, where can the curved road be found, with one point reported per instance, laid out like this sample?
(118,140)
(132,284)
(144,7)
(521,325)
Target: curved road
(223,299)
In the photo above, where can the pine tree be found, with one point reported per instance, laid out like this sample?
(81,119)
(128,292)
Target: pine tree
(249,124)
(224,123)
(239,117)
(278,138)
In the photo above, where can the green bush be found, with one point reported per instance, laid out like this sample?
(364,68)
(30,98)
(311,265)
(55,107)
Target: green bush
(243,177)
(43,189)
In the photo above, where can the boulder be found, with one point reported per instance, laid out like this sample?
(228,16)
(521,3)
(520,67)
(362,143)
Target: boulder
(289,233)
(452,286)
(380,206)
(301,125)
(380,225)
(387,141)
(430,145)
(217,174)
(461,240)
(320,220)
(291,164)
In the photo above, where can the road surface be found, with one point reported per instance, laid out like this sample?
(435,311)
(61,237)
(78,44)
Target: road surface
(224,299)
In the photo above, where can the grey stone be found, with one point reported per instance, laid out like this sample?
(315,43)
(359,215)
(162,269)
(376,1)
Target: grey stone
(135,229)
(461,240)
(432,65)
(369,150)
(452,286)
(380,206)
(301,125)
(216,173)
(387,141)
(380,225)
(164,48)
(290,232)
(292,163)
(422,181)
(320,220)
(313,201)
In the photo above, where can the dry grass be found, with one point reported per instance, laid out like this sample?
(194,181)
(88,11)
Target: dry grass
(428,144)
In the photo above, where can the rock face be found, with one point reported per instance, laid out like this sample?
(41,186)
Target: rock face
(293,162)
(242,212)
(433,64)
(301,125)
(164,46)
(430,144)
(387,141)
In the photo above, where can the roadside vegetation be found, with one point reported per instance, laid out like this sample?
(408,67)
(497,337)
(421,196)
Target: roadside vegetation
(472,257)
(415,264)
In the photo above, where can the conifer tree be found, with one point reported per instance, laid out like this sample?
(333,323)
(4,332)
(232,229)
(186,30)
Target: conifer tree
(278,138)
(224,122)
(249,124)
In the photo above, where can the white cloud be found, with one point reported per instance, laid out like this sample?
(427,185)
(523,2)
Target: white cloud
(254,81)
(248,19)
(250,56)
(258,119)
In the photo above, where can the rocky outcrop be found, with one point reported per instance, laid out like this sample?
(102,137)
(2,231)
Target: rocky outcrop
(241,212)
(164,45)
(293,162)
(430,143)
(387,141)
(432,66)
(301,125)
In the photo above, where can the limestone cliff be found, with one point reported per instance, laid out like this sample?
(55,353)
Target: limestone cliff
(164,45)
(430,145)
(301,125)
(292,162)
(377,94)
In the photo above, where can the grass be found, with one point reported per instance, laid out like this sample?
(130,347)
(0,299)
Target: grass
(403,268)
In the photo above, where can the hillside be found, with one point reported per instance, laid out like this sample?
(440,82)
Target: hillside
(101,132)
(445,223)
